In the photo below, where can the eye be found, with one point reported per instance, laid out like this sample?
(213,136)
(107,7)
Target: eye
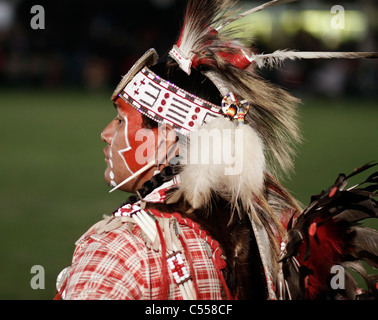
(119,119)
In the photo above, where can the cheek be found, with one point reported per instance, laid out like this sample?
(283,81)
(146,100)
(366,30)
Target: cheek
(142,151)
(132,148)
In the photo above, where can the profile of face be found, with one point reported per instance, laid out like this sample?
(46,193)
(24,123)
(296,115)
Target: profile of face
(130,146)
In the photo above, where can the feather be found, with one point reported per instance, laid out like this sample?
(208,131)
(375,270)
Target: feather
(365,245)
(200,19)
(273,113)
(350,287)
(356,266)
(276,58)
(327,234)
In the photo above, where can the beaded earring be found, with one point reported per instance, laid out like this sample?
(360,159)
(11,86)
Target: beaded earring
(235,109)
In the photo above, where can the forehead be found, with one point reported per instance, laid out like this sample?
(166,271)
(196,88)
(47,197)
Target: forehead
(125,110)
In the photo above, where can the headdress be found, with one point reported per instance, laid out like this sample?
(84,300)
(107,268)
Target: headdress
(210,44)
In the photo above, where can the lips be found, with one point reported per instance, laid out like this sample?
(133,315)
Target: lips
(106,153)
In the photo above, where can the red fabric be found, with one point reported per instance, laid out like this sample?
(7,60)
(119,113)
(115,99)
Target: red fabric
(218,261)
(118,265)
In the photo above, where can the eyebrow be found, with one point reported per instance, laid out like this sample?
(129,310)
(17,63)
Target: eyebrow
(116,106)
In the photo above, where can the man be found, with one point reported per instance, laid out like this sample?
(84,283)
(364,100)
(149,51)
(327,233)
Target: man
(198,139)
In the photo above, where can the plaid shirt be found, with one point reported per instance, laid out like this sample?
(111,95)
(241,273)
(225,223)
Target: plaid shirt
(117,264)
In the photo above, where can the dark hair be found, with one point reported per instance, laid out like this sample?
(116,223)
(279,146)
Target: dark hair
(156,181)
(196,83)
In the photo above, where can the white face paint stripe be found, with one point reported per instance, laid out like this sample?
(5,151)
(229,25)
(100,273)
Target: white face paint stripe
(128,147)
(111,173)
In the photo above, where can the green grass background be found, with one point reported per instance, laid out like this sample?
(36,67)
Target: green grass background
(52,187)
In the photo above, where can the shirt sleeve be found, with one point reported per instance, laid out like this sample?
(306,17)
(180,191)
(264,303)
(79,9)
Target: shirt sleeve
(100,272)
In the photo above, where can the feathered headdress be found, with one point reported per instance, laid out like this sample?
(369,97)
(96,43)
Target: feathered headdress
(209,42)
(224,56)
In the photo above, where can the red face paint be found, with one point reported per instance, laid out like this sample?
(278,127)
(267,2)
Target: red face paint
(140,141)
(131,146)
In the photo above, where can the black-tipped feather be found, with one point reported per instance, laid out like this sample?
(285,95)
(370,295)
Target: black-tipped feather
(327,234)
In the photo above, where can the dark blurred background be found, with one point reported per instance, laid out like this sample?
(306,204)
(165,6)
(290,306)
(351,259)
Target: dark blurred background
(87,44)
(55,88)
(92,43)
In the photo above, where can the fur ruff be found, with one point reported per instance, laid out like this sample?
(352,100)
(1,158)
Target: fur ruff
(233,170)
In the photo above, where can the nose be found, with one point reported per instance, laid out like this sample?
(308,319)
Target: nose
(107,134)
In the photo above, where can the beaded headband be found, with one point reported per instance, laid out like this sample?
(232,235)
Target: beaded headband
(163,101)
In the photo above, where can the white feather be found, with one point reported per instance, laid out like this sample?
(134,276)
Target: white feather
(277,57)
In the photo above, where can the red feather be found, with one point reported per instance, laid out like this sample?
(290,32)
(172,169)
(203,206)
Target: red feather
(328,245)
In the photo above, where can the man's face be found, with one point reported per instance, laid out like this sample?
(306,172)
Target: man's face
(130,147)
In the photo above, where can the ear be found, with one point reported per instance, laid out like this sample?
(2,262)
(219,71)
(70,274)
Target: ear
(167,146)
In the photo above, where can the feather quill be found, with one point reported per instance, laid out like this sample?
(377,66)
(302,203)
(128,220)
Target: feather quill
(278,57)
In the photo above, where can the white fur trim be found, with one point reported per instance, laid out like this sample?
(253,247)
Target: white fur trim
(225,159)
